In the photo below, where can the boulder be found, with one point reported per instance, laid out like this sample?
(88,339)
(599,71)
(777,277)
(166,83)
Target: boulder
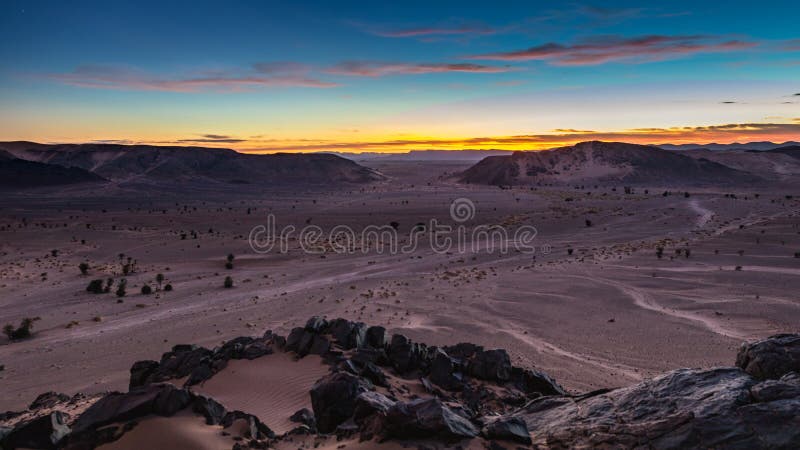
(43,432)
(534,382)
(508,429)
(681,409)
(158,399)
(211,409)
(406,355)
(333,399)
(348,334)
(443,369)
(141,372)
(770,358)
(375,337)
(48,400)
(491,365)
(316,324)
(305,417)
(255,428)
(427,418)
(369,404)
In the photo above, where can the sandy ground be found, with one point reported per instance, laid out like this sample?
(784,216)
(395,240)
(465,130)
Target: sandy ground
(606,315)
(261,387)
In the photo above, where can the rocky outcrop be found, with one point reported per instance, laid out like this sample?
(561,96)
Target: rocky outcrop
(773,357)
(717,408)
(461,393)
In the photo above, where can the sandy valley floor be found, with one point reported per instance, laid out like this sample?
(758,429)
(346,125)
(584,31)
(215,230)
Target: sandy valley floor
(607,314)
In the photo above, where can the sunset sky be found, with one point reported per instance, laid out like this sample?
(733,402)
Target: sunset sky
(394,76)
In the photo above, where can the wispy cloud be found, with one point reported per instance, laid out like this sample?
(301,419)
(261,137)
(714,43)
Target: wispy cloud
(378,69)
(435,31)
(605,49)
(211,138)
(558,137)
(125,78)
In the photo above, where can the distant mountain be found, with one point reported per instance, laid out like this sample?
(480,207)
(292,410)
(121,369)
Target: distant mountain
(19,173)
(180,164)
(426,155)
(602,162)
(791,150)
(763,145)
(779,164)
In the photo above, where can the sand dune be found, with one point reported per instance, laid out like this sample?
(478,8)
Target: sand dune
(262,388)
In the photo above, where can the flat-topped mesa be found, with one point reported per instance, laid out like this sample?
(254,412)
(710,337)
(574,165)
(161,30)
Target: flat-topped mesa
(380,387)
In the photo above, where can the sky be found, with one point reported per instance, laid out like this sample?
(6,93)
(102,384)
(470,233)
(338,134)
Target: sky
(261,76)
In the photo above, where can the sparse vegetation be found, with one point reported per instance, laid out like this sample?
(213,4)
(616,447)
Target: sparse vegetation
(84,268)
(95,287)
(228,283)
(168,288)
(147,290)
(24,330)
(121,287)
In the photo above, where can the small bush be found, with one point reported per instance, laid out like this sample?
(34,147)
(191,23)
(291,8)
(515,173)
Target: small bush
(147,290)
(228,282)
(84,268)
(121,287)
(229,265)
(24,330)
(168,287)
(95,286)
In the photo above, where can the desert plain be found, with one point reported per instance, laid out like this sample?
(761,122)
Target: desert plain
(592,305)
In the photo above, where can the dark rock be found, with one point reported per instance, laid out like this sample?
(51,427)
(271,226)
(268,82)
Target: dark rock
(316,324)
(427,418)
(535,382)
(442,371)
(141,372)
(374,374)
(681,409)
(492,365)
(405,355)
(771,390)
(463,350)
(370,404)
(293,340)
(306,417)
(118,407)
(255,428)
(212,410)
(373,355)
(200,374)
(771,358)
(256,349)
(508,429)
(333,399)
(319,345)
(348,334)
(43,432)
(171,401)
(376,337)
(48,400)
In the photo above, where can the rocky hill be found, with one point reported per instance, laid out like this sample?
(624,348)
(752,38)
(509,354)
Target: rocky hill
(602,162)
(379,390)
(157,163)
(19,173)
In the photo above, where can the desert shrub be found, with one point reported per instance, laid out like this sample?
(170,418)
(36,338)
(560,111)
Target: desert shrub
(109,283)
(168,287)
(121,287)
(95,286)
(147,290)
(84,268)
(159,279)
(24,330)
(659,252)
(588,223)
(229,265)
(228,282)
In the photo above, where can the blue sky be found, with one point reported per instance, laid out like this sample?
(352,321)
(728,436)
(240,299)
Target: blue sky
(363,76)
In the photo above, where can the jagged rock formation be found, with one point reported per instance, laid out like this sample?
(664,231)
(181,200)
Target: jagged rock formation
(468,394)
